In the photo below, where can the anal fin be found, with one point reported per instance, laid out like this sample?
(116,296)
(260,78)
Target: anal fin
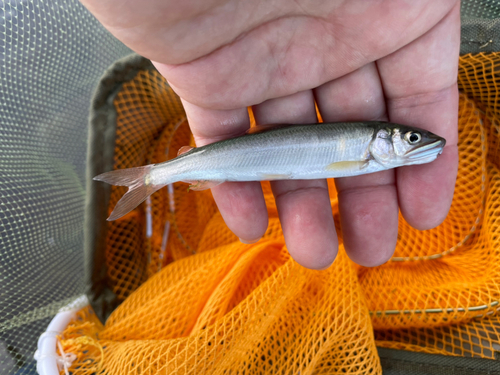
(202,185)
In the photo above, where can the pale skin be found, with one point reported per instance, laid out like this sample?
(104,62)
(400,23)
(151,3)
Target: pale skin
(392,60)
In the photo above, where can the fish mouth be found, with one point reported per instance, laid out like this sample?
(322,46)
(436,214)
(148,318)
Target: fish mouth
(429,151)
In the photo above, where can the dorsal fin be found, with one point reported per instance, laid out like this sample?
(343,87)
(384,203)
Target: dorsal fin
(264,128)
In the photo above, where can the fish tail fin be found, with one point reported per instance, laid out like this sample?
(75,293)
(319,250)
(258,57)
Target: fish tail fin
(139,188)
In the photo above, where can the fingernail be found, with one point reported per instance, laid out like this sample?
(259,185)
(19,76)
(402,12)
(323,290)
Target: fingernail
(249,242)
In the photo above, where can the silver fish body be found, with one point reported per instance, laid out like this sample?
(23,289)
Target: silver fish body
(328,150)
(295,152)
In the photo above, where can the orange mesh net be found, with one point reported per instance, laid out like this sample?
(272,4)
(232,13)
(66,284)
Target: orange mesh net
(196,300)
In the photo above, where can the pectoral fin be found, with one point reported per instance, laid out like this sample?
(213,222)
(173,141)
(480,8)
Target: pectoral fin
(202,185)
(344,166)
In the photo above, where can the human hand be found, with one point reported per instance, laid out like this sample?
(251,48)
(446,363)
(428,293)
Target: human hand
(359,60)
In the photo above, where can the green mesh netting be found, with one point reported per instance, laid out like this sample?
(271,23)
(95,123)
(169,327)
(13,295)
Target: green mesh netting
(487,9)
(52,54)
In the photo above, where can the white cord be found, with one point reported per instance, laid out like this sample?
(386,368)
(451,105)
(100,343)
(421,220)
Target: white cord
(65,360)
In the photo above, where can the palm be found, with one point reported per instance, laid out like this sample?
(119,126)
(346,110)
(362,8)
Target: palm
(358,60)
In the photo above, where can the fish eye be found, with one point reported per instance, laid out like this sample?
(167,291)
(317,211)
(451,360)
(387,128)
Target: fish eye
(413,137)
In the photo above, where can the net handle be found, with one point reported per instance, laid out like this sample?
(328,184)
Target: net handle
(48,361)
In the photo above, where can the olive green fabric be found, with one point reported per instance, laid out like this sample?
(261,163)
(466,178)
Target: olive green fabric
(100,159)
(400,362)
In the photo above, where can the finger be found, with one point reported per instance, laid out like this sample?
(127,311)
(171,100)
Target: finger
(420,86)
(241,204)
(303,205)
(368,204)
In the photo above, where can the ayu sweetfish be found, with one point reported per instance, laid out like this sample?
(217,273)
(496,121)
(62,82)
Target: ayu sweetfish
(299,152)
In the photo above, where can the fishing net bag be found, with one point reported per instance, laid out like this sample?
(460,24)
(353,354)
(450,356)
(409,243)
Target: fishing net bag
(168,288)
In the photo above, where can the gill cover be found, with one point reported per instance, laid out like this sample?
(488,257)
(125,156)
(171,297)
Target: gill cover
(381,148)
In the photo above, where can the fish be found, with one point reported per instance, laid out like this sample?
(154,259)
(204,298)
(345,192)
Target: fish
(282,152)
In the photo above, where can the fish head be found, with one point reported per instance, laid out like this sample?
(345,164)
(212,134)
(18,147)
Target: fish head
(395,145)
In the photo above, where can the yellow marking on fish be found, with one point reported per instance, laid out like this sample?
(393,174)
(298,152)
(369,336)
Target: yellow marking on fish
(271,177)
(346,165)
